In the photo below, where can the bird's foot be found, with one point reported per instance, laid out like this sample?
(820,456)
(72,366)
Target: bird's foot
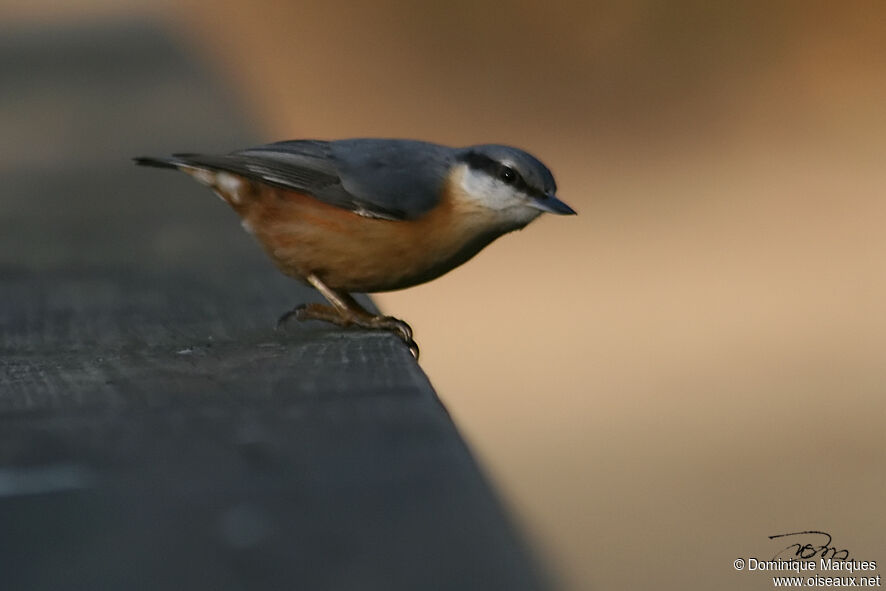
(312,312)
(348,318)
(395,325)
(390,323)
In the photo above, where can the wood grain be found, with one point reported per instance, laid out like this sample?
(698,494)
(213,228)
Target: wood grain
(155,431)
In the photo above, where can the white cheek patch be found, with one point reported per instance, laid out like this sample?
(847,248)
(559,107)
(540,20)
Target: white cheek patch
(475,186)
(487,192)
(248,227)
(508,206)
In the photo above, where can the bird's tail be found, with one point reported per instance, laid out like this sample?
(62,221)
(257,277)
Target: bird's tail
(171,162)
(234,188)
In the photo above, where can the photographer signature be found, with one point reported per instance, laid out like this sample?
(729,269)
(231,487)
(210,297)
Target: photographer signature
(808,550)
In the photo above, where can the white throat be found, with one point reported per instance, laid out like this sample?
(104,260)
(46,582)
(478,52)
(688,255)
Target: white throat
(482,191)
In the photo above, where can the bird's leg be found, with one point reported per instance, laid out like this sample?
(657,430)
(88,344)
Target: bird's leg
(346,311)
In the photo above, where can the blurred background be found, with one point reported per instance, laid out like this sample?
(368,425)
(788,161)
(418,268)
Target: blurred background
(698,359)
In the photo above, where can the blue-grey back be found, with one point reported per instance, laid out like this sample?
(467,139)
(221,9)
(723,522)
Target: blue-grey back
(399,179)
(385,178)
(399,175)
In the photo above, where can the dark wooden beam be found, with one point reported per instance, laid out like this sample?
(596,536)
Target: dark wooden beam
(155,431)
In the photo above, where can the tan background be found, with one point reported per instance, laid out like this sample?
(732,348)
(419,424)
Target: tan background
(696,361)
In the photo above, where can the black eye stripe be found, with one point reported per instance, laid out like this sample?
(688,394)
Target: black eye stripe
(508,174)
(495,169)
(481,162)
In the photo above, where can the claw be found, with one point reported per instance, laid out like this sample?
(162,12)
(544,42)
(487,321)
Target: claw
(392,324)
(397,326)
(281,322)
(413,348)
(404,329)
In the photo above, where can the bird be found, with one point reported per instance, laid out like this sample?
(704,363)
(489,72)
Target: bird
(368,215)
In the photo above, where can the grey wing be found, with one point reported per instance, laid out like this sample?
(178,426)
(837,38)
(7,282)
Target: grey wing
(364,176)
(403,176)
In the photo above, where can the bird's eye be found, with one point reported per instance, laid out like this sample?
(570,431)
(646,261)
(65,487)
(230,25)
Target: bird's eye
(507,175)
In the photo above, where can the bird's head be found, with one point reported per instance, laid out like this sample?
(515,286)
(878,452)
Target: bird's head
(512,183)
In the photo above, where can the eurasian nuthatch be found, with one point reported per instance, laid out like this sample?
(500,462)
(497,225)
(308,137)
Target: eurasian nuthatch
(371,215)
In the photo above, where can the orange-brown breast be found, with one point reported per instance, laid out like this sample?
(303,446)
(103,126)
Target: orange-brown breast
(351,252)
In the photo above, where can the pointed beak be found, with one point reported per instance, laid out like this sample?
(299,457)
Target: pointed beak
(551,204)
